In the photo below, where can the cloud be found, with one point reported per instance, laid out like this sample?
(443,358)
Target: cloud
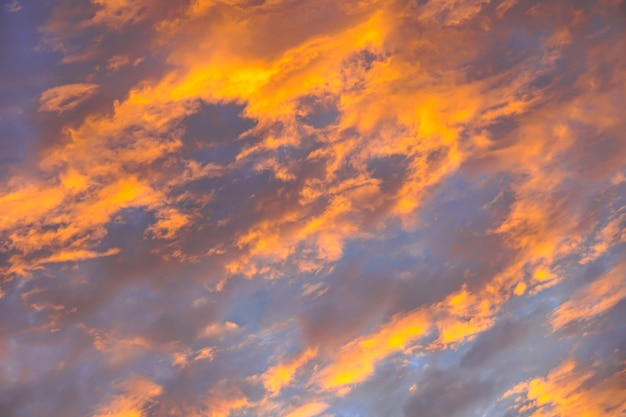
(596,299)
(14,6)
(117,13)
(137,392)
(308,410)
(440,393)
(294,208)
(66,97)
(561,392)
(282,374)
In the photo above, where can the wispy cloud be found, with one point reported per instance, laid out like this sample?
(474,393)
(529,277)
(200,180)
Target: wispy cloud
(66,97)
(313,208)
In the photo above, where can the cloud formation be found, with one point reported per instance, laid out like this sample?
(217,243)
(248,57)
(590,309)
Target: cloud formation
(65,97)
(313,208)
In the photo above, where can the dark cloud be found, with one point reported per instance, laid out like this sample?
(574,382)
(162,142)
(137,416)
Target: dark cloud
(493,342)
(444,393)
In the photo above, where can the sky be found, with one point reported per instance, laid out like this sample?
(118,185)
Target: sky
(312,208)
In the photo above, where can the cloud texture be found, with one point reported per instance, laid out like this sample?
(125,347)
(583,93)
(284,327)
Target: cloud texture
(308,208)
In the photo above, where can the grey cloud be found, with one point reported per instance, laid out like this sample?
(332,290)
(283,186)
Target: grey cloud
(441,393)
(493,342)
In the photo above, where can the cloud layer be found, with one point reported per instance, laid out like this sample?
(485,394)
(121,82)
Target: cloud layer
(313,208)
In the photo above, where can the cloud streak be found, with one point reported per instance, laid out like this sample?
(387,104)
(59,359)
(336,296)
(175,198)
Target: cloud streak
(66,97)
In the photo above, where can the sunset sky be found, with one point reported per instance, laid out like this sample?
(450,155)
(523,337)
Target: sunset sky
(312,208)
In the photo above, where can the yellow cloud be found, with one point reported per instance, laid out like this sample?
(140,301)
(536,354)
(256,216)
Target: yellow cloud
(279,376)
(308,410)
(356,361)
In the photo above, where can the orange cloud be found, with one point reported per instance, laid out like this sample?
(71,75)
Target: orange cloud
(409,88)
(169,222)
(279,376)
(457,318)
(271,86)
(565,391)
(117,13)
(137,394)
(595,299)
(356,360)
(65,97)
(308,410)
(452,12)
